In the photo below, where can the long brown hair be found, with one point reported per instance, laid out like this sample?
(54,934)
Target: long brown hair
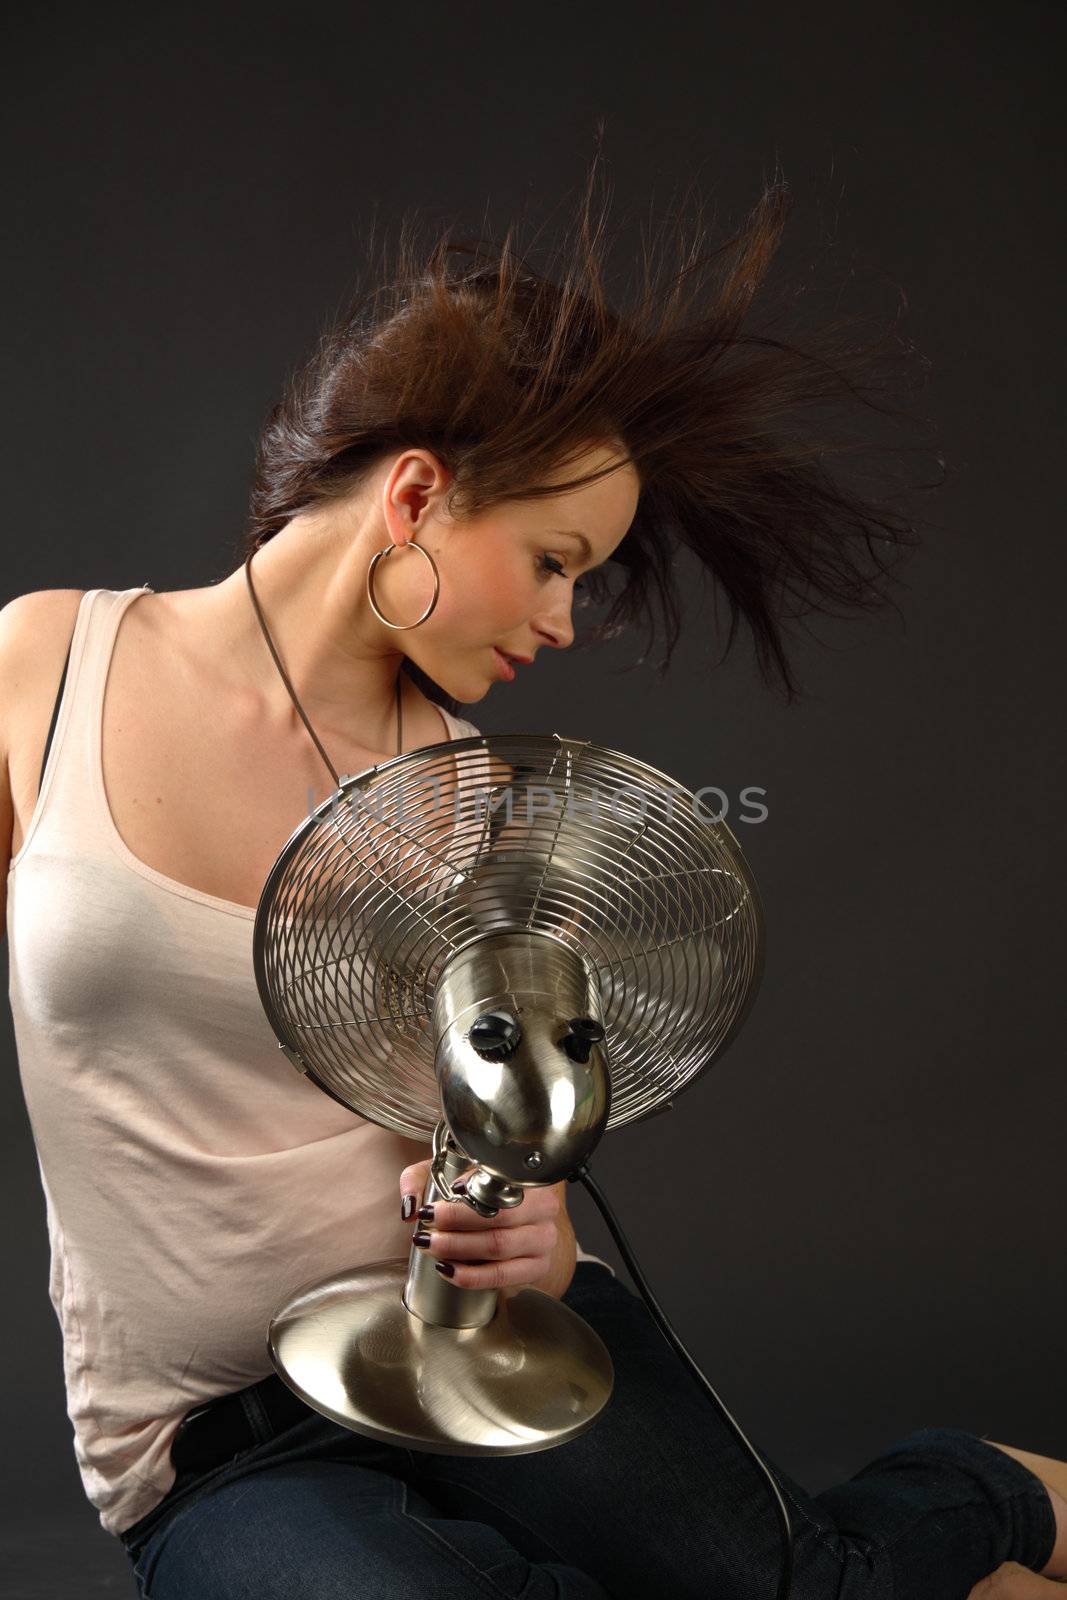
(508,373)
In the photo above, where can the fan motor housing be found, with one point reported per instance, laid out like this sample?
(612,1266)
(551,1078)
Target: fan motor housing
(520,1056)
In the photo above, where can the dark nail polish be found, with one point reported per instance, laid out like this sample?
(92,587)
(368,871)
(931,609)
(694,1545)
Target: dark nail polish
(407,1208)
(426,1213)
(445,1268)
(421,1239)
(459,1188)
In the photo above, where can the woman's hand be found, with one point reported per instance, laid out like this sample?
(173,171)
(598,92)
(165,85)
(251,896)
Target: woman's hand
(523,1244)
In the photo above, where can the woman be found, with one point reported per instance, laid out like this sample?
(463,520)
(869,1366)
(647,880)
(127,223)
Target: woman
(503,438)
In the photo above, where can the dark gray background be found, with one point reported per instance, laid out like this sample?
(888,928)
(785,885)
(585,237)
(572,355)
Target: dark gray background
(856,1220)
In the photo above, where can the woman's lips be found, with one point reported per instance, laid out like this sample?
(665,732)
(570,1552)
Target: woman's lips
(507,671)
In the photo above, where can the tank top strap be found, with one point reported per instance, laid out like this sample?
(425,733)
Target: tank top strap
(66,804)
(458,729)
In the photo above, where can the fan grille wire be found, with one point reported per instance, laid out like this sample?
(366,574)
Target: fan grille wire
(410,861)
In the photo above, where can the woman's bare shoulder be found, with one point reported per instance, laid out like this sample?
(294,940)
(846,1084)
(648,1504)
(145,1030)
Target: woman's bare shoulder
(39,608)
(32,629)
(35,630)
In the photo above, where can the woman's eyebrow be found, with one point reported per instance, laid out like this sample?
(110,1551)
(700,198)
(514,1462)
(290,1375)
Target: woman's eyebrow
(570,533)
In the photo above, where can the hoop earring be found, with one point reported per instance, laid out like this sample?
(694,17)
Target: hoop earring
(402,627)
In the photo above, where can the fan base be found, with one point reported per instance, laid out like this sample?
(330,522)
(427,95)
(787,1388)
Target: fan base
(533,1377)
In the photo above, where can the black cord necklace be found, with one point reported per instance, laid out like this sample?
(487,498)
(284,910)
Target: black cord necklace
(292,691)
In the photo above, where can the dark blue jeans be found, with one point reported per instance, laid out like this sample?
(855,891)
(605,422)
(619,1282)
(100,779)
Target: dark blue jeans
(656,1499)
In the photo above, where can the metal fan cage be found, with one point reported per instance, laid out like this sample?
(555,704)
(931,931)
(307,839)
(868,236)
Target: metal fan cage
(410,861)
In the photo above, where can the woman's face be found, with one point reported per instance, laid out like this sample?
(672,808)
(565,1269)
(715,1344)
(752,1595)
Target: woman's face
(508,577)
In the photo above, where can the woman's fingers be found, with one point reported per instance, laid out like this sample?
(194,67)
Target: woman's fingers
(495,1244)
(413,1185)
(455,1216)
(497,1274)
(515,1247)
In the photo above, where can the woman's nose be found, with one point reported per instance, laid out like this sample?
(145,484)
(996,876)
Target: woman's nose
(555,626)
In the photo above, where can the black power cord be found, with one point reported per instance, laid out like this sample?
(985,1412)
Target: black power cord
(582,1175)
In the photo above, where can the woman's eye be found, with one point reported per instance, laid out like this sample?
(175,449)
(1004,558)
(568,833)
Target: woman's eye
(550,564)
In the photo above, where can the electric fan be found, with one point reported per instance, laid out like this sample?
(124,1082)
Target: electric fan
(501,946)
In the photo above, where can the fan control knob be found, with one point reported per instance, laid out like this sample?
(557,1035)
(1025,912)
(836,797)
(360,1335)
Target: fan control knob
(495,1035)
(583,1033)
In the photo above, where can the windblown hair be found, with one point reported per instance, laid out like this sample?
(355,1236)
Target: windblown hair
(508,375)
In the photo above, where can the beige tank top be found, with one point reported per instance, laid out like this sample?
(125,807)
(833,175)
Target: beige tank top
(192,1179)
